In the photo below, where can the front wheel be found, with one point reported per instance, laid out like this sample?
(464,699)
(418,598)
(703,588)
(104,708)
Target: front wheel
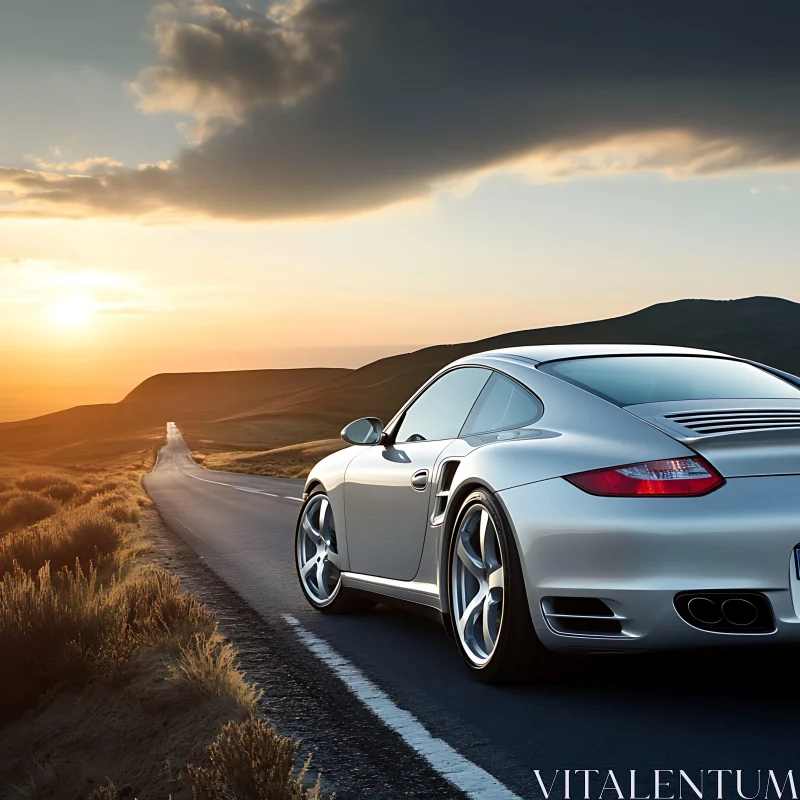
(317,559)
(488,605)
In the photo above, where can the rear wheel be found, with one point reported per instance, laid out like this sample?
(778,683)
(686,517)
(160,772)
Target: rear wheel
(488,605)
(317,559)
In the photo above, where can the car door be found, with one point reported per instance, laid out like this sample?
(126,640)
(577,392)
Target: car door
(387,487)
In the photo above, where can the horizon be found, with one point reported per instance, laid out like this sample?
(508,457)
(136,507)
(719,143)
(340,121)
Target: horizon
(94,395)
(216,186)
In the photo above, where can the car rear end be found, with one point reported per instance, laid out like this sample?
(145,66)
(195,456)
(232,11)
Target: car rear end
(689,552)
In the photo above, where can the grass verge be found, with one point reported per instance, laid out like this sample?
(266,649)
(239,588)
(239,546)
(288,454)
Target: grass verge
(292,461)
(114,682)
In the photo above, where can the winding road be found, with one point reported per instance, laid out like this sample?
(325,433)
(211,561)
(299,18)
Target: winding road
(397,678)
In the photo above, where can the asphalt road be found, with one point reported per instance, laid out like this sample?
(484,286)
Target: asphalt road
(732,710)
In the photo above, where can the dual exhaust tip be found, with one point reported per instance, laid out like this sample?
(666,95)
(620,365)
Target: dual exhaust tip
(735,611)
(726,612)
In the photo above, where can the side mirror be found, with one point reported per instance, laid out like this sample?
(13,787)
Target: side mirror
(368,430)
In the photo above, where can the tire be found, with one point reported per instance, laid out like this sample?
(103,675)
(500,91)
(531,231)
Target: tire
(496,639)
(316,549)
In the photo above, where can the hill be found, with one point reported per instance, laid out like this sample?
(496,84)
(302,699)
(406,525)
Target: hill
(261,410)
(765,329)
(211,395)
(94,432)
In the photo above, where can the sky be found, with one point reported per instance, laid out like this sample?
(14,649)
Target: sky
(206,185)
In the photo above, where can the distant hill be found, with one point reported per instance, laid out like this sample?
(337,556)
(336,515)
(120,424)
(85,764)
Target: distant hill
(94,431)
(765,329)
(209,395)
(264,409)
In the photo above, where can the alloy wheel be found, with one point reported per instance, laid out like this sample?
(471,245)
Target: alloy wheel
(477,582)
(317,554)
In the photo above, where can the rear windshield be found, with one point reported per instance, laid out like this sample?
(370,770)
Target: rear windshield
(628,380)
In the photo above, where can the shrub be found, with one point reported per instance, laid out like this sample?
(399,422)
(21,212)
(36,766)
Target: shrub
(55,632)
(91,534)
(250,761)
(23,509)
(62,491)
(68,629)
(118,508)
(86,534)
(94,491)
(152,605)
(108,499)
(208,665)
(36,481)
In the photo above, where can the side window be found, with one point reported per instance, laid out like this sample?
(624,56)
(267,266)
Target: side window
(503,404)
(440,411)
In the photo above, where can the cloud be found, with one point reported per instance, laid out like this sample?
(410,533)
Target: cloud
(88,166)
(220,63)
(329,107)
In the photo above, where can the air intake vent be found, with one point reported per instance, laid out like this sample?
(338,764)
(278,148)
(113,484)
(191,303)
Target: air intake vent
(581,616)
(446,475)
(708,422)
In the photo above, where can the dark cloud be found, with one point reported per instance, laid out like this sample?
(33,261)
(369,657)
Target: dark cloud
(220,62)
(341,105)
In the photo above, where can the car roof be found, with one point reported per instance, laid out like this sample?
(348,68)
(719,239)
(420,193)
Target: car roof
(555,352)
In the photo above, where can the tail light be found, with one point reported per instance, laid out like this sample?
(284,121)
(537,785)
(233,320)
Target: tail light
(673,477)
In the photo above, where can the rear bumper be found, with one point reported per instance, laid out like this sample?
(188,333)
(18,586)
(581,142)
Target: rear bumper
(637,554)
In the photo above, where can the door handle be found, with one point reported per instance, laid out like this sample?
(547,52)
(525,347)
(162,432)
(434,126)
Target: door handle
(419,480)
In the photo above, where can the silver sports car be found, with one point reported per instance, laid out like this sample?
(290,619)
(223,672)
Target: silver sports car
(574,497)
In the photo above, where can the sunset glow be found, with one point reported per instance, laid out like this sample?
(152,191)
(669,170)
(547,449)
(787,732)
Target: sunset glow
(160,213)
(74,310)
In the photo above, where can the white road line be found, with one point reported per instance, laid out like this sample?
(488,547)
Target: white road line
(185,526)
(233,486)
(206,480)
(219,483)
(254,491)
(471,779)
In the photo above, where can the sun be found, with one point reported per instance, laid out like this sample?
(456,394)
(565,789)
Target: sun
(74,310)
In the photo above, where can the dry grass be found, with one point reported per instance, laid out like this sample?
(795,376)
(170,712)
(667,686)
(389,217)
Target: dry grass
(19,508)
(108,792)
(153,606)
(257,434)
(88,534)
(62,491)
(69,629)
(75,607)
(292,461)
(250,761)
(36,481)
(208,665)
(36,496)
(55,632)
(130,675)
(93,491)
(138,731)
